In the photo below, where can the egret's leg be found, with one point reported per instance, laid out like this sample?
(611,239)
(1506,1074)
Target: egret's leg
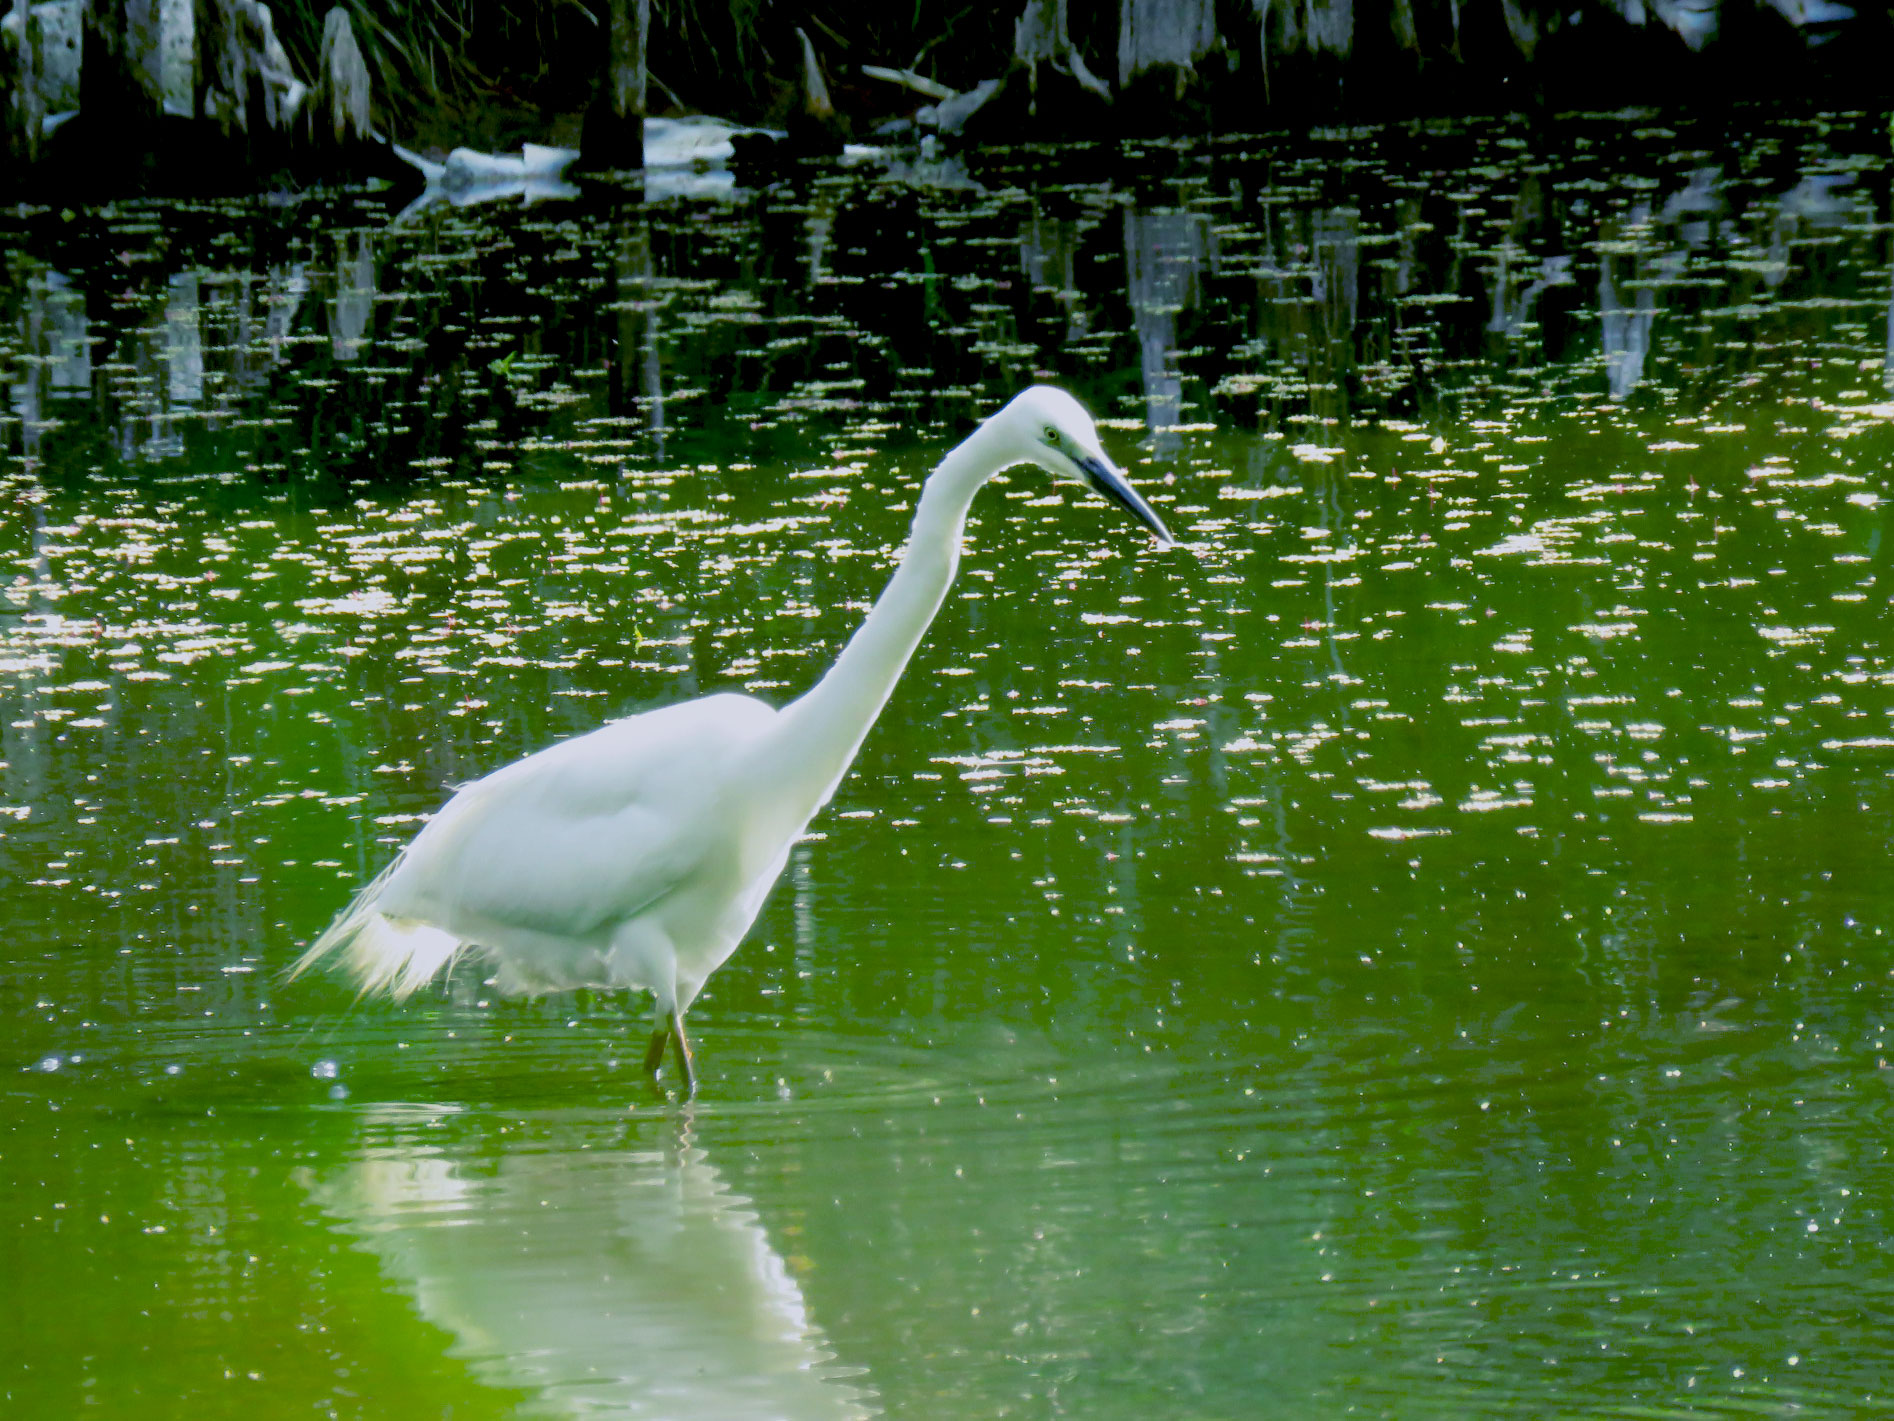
(688,1076)
(654,1053)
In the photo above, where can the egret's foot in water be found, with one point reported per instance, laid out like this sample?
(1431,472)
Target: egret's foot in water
(654,1053)
(671,1033)
(687,1077)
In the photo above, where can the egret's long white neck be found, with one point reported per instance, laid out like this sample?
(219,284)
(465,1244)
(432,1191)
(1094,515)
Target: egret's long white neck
(819,734)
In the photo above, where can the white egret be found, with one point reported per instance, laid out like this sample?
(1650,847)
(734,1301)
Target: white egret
(636,856)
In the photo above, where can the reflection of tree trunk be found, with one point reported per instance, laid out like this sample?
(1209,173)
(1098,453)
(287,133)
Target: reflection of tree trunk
(354,300)
(821,226)
(1163,259)
(184,341)
(1334,236)
(637,370)
(1887,365)
(1627,328)
(1048,258)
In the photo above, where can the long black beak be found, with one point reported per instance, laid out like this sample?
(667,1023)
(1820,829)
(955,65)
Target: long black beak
(1111,482)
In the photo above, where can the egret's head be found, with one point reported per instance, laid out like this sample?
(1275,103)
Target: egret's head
(1052,430)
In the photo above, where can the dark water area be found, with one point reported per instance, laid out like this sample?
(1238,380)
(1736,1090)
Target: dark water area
(1418,948)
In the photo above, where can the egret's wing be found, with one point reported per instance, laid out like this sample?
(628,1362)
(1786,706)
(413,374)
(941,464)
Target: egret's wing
(565,843)
(585,833)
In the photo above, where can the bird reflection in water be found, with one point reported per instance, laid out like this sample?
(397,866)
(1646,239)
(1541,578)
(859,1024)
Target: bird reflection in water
(611,1280)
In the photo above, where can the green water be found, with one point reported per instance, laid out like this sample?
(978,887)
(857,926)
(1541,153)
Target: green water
(1419,948)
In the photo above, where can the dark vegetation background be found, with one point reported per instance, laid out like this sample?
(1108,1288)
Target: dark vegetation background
(311,91)
(468,67)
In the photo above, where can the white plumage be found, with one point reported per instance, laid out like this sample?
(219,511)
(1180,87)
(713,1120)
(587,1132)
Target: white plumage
(636,856)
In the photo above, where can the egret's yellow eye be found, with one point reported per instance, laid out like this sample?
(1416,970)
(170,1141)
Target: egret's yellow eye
(1052,435)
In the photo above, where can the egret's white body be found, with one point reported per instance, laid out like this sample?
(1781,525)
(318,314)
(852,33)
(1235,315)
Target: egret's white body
(637,855)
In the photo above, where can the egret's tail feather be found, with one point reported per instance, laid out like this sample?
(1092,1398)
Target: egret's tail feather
(394,955)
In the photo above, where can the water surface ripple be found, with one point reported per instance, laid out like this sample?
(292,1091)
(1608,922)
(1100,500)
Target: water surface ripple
(1418,949)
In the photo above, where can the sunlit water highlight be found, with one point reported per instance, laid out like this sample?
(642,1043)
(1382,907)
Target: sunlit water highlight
(1420,948)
